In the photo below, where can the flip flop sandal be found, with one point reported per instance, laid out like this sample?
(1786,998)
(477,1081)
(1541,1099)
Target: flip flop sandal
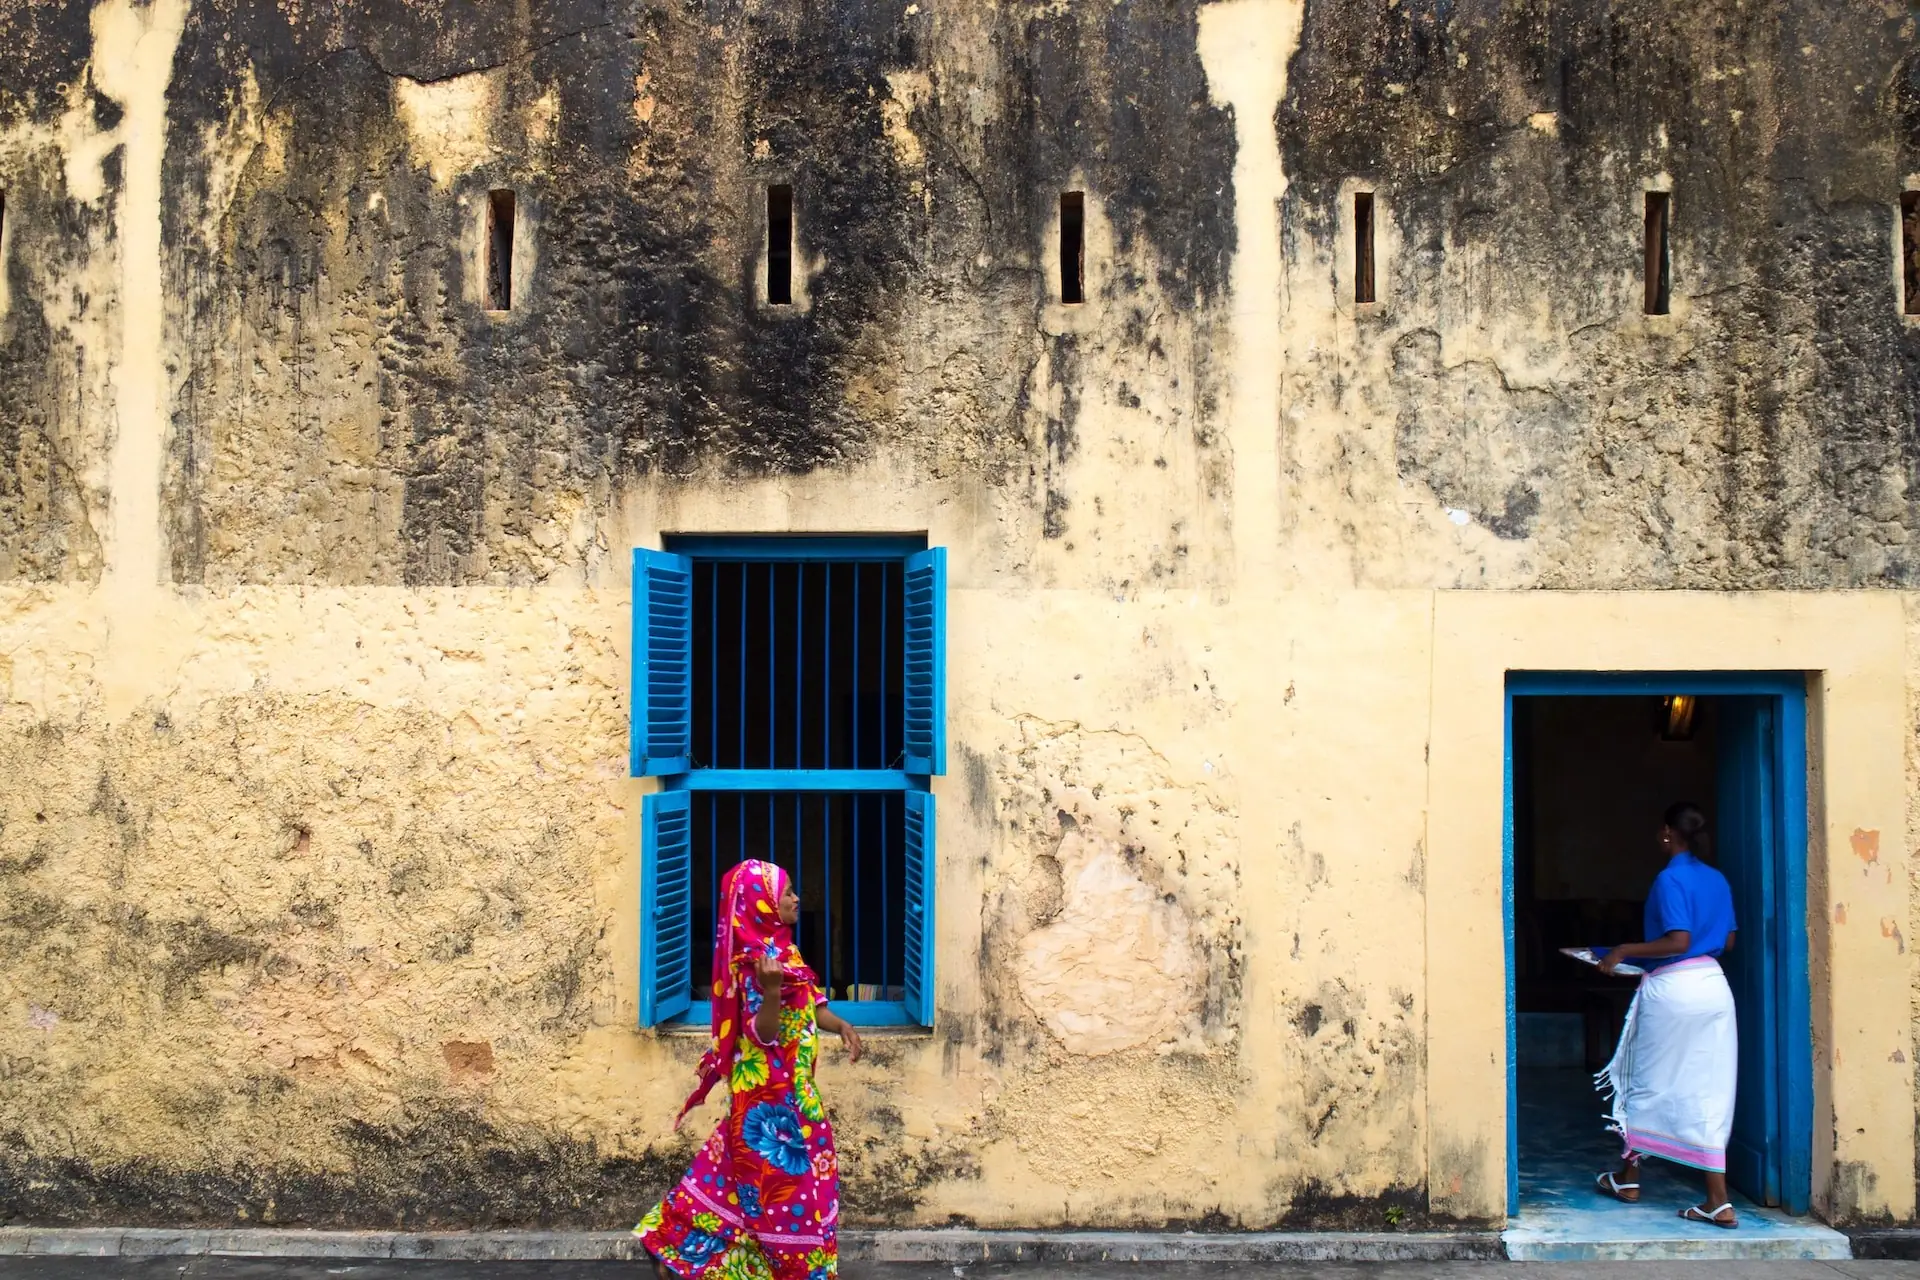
(1615,1189)
(1694,1213)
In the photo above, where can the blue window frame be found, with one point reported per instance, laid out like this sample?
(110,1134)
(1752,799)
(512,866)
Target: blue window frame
(790,694)
(1762,804)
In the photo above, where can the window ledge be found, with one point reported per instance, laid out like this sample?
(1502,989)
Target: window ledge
(874,1015)
(680,1030)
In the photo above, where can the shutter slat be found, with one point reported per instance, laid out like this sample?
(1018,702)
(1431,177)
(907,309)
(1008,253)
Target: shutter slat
(917,978)
(666,905)
(924,636)
(662,724)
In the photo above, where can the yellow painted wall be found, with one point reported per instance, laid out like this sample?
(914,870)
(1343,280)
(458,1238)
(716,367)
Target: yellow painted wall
(326,896)
(1854,648)
(1264,954)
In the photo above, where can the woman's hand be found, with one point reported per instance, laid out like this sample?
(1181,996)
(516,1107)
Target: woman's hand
(833,1022)
(1672,943)
(767,972)
(767,975)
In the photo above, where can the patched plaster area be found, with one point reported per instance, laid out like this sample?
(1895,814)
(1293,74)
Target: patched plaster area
(1117,967)
(449,122)
(1113,908)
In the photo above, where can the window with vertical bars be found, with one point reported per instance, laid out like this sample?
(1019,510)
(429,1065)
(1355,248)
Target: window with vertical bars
(799,664)
(790,694)
(796,666)
(845,852)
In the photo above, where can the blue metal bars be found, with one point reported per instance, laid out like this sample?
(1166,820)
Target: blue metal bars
(800,663)
(847,854)
(799,750)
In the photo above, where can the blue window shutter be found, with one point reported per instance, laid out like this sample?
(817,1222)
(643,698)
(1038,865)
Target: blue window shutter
(661,732)
(666,905)
(925,633)
(918,977)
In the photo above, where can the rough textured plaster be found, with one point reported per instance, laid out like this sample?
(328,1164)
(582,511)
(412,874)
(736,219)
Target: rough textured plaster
(1099,984)
(1119,839)
(59,265)
(315,839)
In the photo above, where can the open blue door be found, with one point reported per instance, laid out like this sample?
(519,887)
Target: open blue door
(1507,926)
(1760,820)
(1748,816)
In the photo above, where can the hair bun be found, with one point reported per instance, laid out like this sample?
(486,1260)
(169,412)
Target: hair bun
(1686,819)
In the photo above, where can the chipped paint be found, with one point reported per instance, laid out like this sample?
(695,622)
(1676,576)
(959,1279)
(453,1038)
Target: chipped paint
(1866,845)
(317,851)
(1114,967)
(450,122)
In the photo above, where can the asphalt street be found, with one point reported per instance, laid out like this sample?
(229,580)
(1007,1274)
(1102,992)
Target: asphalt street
(229,1268)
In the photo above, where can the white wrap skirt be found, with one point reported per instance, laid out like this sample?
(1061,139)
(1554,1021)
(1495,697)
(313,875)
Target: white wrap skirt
(1672,1079)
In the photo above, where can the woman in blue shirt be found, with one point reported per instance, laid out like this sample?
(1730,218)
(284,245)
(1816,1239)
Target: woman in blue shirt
(1672,1078)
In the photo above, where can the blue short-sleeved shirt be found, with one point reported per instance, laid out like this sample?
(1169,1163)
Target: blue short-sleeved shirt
(1693,896)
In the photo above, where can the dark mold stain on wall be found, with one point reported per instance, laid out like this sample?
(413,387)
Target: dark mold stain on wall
(433,1167)
(1117,93)
(401,434)
(637,345)
(49,515)
(1766,438)
(345,411)
(49,432)
(430,1167)
(48,47)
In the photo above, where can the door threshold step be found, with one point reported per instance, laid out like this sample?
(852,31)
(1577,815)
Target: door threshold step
(1762,1236)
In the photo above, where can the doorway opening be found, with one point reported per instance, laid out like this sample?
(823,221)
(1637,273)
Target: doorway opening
(1593,761)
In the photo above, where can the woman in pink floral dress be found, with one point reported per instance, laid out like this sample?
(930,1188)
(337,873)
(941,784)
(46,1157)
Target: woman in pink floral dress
(762,1201)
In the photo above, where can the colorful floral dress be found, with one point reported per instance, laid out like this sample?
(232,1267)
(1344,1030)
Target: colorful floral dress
(762,1200)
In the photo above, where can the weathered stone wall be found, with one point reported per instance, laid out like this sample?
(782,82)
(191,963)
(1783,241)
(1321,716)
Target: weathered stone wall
(1759,436)
(317,851)
(348,412)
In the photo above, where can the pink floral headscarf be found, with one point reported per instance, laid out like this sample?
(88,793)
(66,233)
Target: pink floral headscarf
(748,928)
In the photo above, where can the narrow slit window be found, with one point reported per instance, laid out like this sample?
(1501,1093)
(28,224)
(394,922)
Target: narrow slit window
(1073,246)
(1363,246)
(500,251)
(1910,252)
(1659,254)
(780,244)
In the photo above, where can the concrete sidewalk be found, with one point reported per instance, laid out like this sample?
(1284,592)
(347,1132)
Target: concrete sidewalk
(232,1268)
(305,1252)
(944,1248)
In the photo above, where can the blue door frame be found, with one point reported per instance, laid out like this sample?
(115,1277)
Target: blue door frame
(1792,1037)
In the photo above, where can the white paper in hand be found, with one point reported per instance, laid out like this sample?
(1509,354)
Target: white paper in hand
(1593,956)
